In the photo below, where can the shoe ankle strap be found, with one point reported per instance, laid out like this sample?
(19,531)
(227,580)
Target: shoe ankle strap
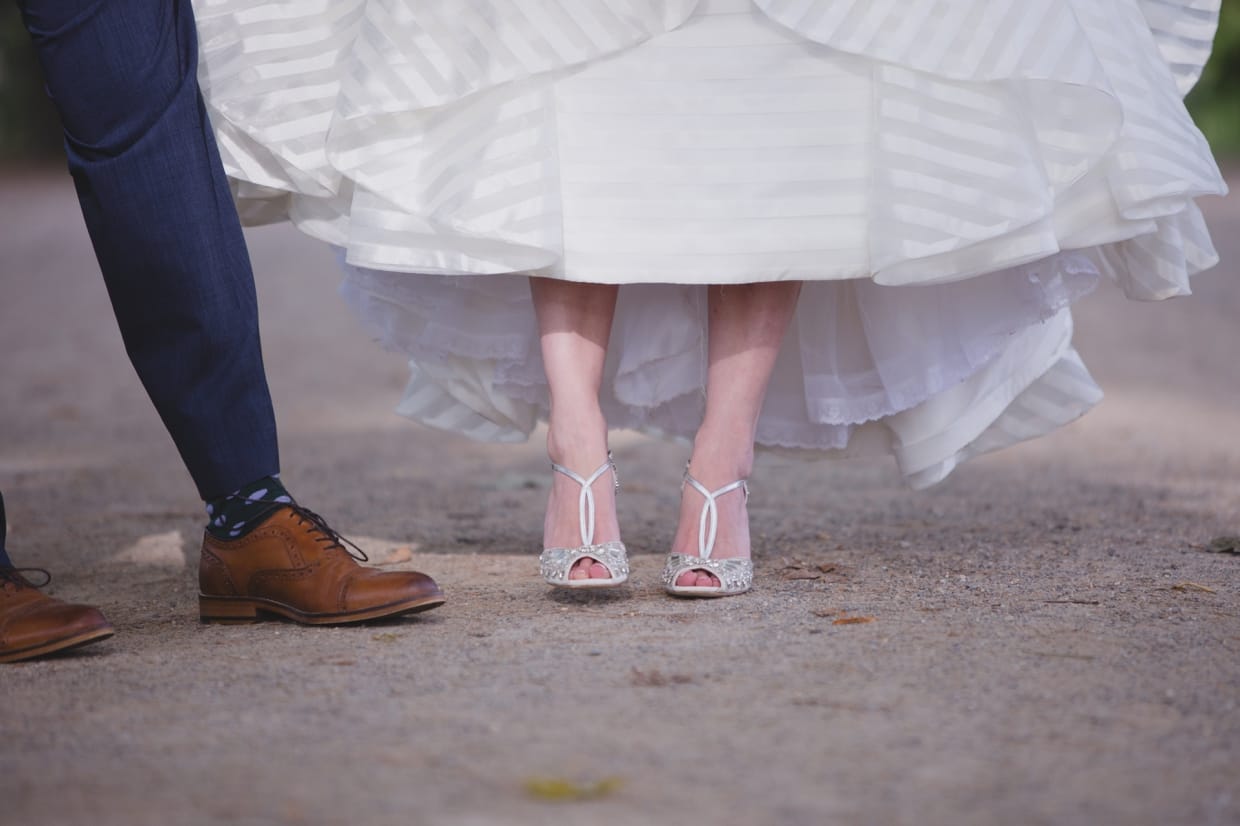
(585,501)
(708,525)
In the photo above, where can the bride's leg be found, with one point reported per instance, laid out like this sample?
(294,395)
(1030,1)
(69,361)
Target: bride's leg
(574,323)
(747,323)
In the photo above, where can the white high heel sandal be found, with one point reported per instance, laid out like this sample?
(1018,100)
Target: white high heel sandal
(735,575)
(555,563)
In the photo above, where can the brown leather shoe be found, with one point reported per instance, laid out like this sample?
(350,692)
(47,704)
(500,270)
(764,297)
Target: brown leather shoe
(33,624)
(295,566)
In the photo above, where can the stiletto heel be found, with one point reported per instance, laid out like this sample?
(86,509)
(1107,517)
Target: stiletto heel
(735,575)
(555,563)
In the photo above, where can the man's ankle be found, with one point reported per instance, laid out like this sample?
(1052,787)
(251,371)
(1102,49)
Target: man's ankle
(238,513)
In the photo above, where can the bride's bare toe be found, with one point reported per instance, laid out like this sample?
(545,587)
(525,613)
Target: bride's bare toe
(706,580)
(587,568)
(697,579)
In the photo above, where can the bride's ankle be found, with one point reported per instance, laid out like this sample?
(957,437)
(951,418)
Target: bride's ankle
(715,467)
(722,451)
(577,440)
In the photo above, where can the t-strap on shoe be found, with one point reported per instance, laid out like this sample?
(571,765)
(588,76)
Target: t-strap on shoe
(555,563)
(735,575)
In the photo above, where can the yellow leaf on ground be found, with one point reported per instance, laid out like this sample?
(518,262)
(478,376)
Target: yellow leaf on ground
(560,788)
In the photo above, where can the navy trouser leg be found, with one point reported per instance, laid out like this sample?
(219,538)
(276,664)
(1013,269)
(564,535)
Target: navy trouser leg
(5,562)
(157,205)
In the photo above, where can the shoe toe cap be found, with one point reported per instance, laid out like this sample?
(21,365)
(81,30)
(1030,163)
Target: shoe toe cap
(52,622)
(375,588)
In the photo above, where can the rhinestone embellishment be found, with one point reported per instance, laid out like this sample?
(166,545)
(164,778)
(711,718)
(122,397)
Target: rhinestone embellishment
(735,575)
(555,563)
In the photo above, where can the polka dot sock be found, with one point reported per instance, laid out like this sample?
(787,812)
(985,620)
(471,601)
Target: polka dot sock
(238,513)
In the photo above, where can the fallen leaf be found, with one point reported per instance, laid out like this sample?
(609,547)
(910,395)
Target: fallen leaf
(387,637)
(800,573)
(656,678)
(841,706)
(1224,545)
(1192,586)
(160,550)
(560,788)
(397,555)
(1062,655)
(827,567)
(852,620)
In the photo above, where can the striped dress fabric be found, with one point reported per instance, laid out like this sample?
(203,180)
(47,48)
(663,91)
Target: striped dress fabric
(946,176)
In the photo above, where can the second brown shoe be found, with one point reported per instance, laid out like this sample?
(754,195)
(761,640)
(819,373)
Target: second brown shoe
(33,624)
(295,566)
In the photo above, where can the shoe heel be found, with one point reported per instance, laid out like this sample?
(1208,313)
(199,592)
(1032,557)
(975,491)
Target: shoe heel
(224,610)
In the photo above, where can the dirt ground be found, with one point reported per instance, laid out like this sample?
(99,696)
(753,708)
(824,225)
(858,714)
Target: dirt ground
(1051,642)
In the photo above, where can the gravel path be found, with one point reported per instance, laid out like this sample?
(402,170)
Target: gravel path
(1042,639)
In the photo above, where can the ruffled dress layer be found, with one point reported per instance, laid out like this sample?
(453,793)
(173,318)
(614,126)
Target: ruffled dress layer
(946,176)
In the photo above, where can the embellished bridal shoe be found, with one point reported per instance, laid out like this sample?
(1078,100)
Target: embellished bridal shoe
(735,575)
(555,563)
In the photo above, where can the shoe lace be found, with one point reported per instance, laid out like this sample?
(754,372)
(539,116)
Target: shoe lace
(11,577)
(328,536)
(15,578)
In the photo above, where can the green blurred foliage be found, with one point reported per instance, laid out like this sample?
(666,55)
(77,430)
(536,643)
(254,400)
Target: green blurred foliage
(1215,102)
(29,127)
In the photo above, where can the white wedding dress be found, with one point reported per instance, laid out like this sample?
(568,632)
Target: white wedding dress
(946,176)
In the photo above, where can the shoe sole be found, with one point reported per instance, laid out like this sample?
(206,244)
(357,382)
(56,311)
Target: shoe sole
(689,592)
(245,610)
(63,644)
(587,584)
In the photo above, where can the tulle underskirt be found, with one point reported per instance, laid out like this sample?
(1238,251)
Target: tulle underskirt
(945,181)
